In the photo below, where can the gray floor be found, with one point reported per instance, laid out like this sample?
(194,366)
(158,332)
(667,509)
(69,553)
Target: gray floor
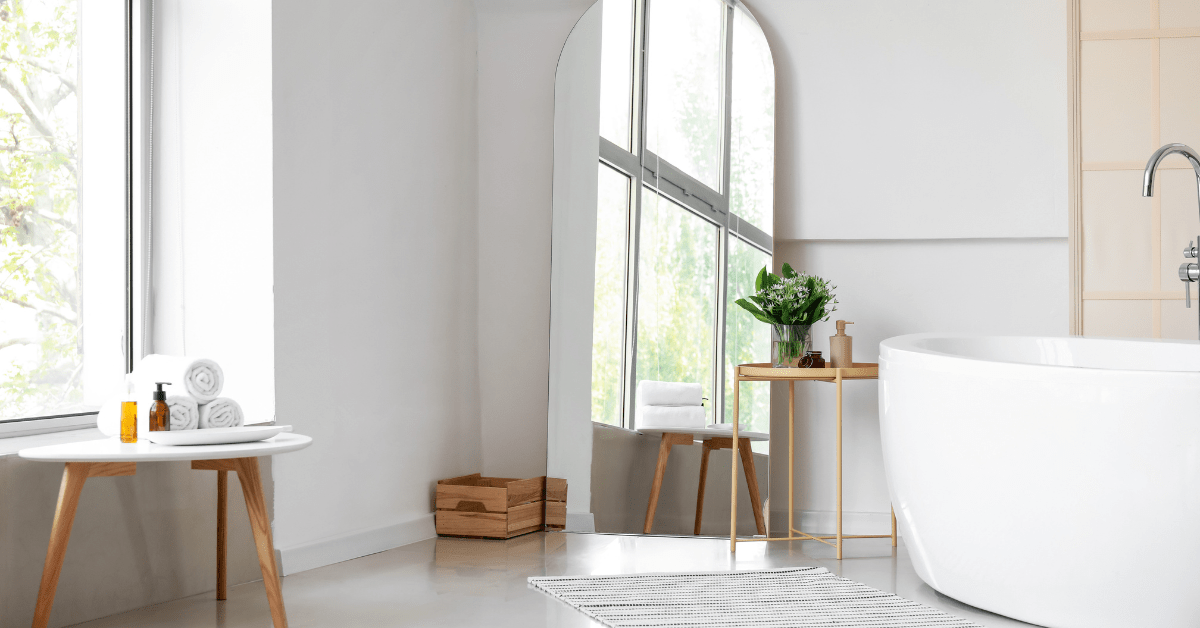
(460,583)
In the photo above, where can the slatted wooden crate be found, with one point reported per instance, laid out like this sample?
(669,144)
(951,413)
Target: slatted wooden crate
(498,508)
(556,504)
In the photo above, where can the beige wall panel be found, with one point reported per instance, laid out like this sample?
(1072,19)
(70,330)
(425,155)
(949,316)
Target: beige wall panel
(1179,13)
(1181,91)
(1179,322)
(1180,221)
(1117,319)
(1116,232)
(1115,15)
(1116,105)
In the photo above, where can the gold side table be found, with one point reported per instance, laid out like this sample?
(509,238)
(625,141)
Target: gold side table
(765,373)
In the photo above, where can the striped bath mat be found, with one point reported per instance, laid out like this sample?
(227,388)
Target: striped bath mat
(796,597)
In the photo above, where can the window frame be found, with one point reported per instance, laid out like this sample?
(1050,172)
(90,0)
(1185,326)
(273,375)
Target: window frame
(648,170)
(138,68)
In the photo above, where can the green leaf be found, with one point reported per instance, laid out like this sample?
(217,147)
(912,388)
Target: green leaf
(757,313)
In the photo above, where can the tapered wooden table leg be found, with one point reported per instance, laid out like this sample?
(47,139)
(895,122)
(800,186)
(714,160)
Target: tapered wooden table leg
(893,527)
(752,483)
(703,477)
(664,451)
(74,476)
(260,523)
(222,522)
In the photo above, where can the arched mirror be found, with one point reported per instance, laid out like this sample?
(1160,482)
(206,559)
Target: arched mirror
(664,129)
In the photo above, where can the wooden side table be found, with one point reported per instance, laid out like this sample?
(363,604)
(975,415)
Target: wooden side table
(110,457)
(765,373)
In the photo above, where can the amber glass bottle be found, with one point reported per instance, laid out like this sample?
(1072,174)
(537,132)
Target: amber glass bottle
(160,414)
(129,416)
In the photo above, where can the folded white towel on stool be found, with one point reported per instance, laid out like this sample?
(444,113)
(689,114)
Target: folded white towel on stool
(185,412)
(199,378)
(221,412)
(670,416)
(651,393)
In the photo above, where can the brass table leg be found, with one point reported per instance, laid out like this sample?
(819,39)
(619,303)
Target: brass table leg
(839,464)
(734,458)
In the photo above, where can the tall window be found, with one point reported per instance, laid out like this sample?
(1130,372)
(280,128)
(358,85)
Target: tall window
(687,123)
(63,207)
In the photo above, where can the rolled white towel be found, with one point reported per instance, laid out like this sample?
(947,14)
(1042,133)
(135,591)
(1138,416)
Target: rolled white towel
(108,421)
(670,416)
(651,393)
(185,412)
(221,412)
(198,378)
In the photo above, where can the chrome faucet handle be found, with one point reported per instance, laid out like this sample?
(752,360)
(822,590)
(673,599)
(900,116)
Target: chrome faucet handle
(1190,251)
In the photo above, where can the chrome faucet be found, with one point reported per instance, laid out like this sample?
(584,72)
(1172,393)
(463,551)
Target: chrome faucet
(1188,272)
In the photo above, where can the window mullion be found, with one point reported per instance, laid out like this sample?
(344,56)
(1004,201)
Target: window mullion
(632,240)
(724,240)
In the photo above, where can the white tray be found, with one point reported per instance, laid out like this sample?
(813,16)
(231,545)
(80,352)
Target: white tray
(217,435)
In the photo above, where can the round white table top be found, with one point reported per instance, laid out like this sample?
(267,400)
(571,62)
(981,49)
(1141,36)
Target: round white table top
(113,450)
(705,433)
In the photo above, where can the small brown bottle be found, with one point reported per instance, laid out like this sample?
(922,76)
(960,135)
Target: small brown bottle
(160,414)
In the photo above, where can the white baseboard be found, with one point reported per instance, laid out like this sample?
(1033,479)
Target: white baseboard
(825,522)
(354,545)
(581,522)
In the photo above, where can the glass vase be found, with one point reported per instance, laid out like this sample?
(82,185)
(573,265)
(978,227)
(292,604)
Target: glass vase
(790,344)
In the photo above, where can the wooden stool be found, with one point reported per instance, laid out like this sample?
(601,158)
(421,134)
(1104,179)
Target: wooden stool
(711,442)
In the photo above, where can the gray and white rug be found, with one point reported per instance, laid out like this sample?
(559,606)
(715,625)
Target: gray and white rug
(796,597)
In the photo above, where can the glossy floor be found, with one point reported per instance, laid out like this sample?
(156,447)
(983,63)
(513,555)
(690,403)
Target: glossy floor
(460,583)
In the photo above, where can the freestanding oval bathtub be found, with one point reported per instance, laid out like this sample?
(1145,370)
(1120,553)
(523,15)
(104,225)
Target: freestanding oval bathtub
(1051,480)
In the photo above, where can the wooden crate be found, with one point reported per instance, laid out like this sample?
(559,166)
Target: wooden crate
(556,504)
(498,508)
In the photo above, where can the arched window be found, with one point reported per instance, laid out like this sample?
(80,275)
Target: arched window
(685,202)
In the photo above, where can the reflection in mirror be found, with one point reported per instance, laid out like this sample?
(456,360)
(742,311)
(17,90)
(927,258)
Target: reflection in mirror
(663,192)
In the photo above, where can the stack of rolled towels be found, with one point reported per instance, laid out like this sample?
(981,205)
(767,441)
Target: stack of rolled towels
(669,404)
(194,396)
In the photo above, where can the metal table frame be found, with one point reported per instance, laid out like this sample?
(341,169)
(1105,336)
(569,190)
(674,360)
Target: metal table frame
(765,373)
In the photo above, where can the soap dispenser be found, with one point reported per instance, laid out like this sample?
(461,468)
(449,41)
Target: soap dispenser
(841,353)
(160,414)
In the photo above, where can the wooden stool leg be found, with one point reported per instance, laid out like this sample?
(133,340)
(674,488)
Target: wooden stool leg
(703,477)
(893,527)
(664,451)
(74,476)
(247,470)
(752,483)
(222,518)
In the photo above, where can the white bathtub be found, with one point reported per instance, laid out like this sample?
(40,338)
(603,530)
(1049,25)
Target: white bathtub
(1052,480)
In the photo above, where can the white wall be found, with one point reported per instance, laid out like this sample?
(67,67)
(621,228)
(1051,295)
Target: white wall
(922,119)
(921,166)
(375,270)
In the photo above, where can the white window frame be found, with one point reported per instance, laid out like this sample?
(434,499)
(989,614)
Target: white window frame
(648,170)
(138,71)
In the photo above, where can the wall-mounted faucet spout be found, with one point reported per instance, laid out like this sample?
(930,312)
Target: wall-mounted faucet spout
(1188,272)
(1152,166)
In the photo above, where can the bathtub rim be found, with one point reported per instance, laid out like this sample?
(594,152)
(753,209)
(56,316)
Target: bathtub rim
(906,343)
